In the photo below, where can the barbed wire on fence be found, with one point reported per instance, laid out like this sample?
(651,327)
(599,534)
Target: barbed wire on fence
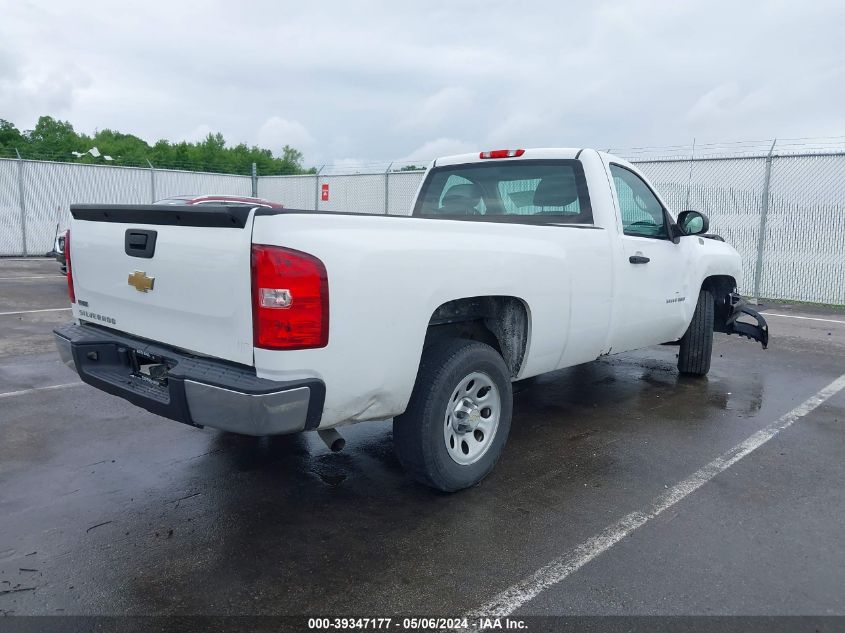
(212,165)
(701,150)
(733,149)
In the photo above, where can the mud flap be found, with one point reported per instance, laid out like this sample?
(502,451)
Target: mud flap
(737,306)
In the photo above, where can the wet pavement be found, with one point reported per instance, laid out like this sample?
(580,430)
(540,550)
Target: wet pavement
(107,509)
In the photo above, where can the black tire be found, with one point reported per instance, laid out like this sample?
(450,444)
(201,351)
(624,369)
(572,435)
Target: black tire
(696,346)
(418,434)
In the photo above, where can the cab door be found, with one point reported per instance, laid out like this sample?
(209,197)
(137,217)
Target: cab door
(653,278)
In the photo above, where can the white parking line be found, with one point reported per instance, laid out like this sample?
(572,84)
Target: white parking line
(10,394)
(27,259)
(31,311)
(561,568)
(792,316)
(56,276)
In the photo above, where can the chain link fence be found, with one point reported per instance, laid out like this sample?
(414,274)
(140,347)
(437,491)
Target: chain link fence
(784,213)
(35,196)
(295,192)
(803,255)
(386,193)
(727,191)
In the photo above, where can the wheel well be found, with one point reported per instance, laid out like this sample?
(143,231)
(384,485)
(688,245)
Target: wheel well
(721,286)
(501,322)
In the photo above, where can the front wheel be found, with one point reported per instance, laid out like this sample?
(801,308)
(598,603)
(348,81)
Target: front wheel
(459,415)
(696,346)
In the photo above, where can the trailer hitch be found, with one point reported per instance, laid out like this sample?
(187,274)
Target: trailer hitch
(736,307)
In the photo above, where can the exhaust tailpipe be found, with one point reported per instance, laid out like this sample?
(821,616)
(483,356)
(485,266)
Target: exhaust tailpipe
(332,439)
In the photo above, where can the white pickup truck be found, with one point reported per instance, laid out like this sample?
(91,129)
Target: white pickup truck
(513,263)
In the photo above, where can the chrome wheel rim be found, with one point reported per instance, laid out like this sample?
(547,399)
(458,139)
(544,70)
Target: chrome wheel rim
(472,418)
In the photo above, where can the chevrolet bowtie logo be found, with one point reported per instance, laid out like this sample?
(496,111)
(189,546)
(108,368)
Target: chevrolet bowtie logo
(141,282)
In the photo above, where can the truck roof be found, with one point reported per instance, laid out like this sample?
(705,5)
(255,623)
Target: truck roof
(528,154)
(535,153)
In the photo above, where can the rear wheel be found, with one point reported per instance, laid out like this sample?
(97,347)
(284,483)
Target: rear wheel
(696,346)
(459,415)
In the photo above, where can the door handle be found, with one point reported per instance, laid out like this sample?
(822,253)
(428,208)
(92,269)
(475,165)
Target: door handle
(638,259)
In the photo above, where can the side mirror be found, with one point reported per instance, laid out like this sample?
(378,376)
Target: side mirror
(693,223)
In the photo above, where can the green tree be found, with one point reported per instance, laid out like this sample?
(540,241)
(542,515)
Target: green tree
(53,139)
(10,136)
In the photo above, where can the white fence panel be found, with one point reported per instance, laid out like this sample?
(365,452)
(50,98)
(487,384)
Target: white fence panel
(11,235)
(803,250)
(177,183)
(728,191)
(50,189)
(295,192)
(355,193)
(402,191)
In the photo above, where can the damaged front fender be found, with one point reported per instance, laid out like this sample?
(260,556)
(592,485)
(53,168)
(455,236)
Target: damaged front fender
(727,320)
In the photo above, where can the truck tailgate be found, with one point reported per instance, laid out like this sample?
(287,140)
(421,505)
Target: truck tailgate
(190,289)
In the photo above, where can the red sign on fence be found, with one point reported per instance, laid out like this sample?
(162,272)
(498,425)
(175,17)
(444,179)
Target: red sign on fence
(324,192)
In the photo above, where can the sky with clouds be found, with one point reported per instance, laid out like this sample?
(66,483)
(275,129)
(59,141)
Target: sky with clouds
(377,81)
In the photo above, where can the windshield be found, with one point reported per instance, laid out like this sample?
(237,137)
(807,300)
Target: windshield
(553,190)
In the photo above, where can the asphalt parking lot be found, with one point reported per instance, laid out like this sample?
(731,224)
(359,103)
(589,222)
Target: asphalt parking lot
(107,509)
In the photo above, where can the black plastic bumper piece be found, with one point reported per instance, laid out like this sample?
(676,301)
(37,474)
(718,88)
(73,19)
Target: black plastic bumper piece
(737,307)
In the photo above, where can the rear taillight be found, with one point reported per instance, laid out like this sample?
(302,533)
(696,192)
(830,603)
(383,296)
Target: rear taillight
(502,153)
(70,291)
(290,299)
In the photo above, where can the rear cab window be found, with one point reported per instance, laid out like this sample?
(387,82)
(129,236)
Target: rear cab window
(529,191)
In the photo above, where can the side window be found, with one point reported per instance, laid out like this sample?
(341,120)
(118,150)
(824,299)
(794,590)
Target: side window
(642,213)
